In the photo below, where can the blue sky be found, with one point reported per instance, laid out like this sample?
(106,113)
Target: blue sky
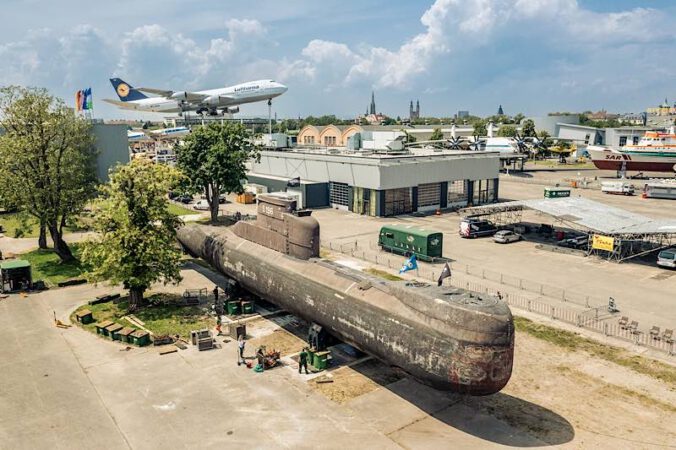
(531,56)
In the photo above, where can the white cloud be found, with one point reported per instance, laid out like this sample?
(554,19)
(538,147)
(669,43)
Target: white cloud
(452,25)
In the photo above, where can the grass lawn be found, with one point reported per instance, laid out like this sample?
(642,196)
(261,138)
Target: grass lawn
(575,342)
(47,266)
(160,316)
(180,210)
(11,222)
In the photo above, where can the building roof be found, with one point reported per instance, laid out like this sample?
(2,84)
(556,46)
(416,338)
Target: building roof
(594,216)
(14,264)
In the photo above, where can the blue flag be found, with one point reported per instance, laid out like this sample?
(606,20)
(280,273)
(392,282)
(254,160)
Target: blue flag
(88,99)
(411,264)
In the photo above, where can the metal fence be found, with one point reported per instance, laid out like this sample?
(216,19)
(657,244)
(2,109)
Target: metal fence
(589,319)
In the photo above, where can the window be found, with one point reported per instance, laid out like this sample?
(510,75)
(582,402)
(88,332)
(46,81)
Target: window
(330,140)
(586,138)
(338,194)
(429,195)
(398,201)
(484,191)
(634,140)
(457,191)
(623,141)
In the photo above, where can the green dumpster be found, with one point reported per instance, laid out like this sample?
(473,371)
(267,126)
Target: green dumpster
(234,307)
(140,338)
(311,356)
(101,327)
(123,334)
(112,330)
(248,307)
(320,360)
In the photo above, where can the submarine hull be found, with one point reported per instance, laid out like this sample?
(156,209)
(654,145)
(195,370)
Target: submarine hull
(465,347)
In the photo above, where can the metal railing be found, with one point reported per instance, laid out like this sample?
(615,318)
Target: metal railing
(583,319)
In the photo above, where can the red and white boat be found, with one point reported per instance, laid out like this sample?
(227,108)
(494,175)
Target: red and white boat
(655,152)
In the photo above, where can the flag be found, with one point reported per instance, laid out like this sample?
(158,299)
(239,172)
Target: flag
(78,101)
(83,99)
(88,98)
(410,264)
(445,273)
(293,182)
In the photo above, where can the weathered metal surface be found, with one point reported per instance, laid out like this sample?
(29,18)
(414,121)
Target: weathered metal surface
(449,338)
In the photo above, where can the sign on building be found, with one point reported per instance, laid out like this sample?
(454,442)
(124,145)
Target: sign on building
(601,242)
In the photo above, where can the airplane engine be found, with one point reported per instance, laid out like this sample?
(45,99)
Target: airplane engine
(182,95)
(213,100)
(232,110)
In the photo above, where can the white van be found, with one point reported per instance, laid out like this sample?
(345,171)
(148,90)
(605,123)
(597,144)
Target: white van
(667,258)
(617,187)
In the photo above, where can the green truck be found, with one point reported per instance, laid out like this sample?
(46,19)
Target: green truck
(406,239)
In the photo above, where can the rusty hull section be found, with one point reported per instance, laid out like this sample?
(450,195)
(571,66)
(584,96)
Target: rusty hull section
(448,338)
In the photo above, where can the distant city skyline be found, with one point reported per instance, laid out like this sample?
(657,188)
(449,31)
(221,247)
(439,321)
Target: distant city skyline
(530,56)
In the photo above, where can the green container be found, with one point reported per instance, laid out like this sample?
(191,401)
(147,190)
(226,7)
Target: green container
(320,360)
(140,338)
(234,307)
(248,307)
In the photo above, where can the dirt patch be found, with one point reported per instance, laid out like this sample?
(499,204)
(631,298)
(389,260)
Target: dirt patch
(280,340)
(346,384)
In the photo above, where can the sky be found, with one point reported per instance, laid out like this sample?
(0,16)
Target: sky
(530,56)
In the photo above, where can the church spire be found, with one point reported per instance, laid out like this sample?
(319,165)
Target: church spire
(373,103)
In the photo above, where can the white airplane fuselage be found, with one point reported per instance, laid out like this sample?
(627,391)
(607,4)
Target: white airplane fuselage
(220,98)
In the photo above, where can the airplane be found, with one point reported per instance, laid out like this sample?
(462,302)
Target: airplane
(226,99)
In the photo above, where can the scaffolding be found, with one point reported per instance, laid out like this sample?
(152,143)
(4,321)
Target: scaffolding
(629,235)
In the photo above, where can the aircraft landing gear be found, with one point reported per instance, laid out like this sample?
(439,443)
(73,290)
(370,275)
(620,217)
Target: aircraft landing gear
(270,116)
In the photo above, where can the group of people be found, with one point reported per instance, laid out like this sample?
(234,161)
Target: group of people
(260,356)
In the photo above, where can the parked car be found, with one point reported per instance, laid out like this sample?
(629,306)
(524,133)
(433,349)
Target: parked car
(506,236)
(473,228)
(185,199)
(667,258)
(221,198)
(578,242)
(201,205)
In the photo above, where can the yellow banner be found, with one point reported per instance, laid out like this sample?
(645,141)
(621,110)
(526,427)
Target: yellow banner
(601,242)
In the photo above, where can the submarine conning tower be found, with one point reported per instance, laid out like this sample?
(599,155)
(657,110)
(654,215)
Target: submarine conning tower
(280,226)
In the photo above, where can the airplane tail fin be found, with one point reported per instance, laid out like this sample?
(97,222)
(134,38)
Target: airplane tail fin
(125,91)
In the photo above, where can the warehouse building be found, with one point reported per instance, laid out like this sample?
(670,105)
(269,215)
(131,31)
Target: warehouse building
(380,183)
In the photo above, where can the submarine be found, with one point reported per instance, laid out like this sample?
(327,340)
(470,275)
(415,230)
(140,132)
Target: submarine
(449,338)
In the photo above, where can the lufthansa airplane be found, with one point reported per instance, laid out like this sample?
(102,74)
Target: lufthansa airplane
(212,101)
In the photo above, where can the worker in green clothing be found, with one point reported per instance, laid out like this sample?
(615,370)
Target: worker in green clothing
(302,361)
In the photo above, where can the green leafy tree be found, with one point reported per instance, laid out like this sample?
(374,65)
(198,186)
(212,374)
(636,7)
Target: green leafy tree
(437,135)
(136,243)
(507,131)
(528,128)
(518,118)
(409,137)
(47,161)
(213,160)
(480,128)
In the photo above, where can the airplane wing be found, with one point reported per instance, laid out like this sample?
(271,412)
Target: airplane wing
(119,104)
(160,92)
(190,97)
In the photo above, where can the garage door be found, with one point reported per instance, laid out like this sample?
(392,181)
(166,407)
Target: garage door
(429,195)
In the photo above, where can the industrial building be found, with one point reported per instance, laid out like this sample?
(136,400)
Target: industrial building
(380,182)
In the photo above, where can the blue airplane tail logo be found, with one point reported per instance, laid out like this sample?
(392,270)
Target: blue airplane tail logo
(126,91)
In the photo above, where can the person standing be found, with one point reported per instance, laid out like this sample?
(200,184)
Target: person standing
(241,343)
(261,358)
(302,360)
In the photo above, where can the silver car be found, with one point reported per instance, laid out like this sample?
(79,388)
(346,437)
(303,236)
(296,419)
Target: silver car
(506,236)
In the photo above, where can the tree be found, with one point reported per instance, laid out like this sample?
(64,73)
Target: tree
(437,135)
(518,118)
(213,159)
(528,128)
(409,137)
(507,131)
(47,160)
(480,128)
(136,245)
